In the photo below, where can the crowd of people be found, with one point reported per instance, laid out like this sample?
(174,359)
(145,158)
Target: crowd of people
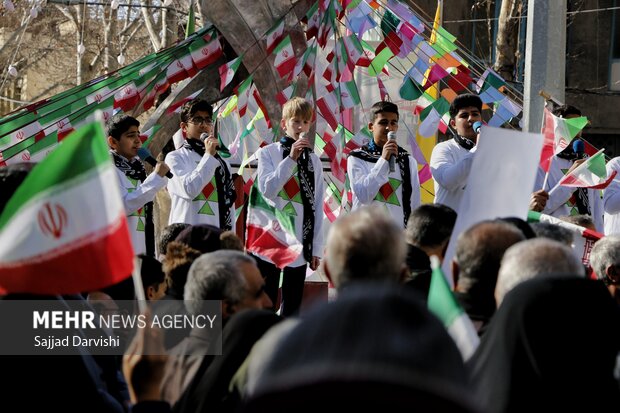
(549,326)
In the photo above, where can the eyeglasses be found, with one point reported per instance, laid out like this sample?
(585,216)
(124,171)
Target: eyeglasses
(199,120)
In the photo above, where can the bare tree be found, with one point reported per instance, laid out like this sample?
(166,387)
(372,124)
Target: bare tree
(507,36)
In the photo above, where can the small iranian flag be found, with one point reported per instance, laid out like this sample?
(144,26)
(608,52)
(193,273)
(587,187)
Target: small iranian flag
(146,137)
(243,92)
(285,57)
(443,304)
(176,106)
(274,36)
(64,230)
(558,133)
(204,52)
(227,72)
(348,94)
(333,202)
(127,97)
(271,232)
(590,174)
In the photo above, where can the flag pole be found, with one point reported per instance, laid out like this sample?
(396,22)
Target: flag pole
(137,284)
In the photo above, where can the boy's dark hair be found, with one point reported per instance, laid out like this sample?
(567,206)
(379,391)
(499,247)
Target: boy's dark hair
(430,225)
(119,124)
(564,110)
(383,106)
(151,271)
(190,108)
(168,234)
(464,101)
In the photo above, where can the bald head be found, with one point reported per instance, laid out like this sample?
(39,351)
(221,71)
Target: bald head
(365,245)
(534,258)
(479,251)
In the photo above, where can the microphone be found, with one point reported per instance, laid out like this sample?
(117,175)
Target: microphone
(476,126)
(306,151)
(204,136)
(579,148)
(392,161)
(146,156)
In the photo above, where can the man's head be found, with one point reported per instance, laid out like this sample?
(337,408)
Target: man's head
(229,276)
(365,245)
(124,135)
(153,278)
(430,227)
(296,117)
(553,231)
(582,220)
(464,111)
(534,258)
(384,116)
(168,234)
(196,118)
(479,251)
(605,260)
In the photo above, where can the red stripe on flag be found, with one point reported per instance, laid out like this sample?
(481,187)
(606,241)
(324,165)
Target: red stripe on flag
(263,243)
(109,256)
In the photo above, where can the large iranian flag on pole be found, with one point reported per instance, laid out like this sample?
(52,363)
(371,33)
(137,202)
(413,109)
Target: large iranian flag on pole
(271,232)
(64,231)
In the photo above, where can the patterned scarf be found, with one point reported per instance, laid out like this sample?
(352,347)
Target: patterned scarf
(464,142)
(226,194)
(305,174)
(372,153)
(134,169)
(580,196)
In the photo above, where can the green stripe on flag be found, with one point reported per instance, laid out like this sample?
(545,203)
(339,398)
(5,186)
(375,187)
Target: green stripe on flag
(257,201)
(596,165)
(441,301)
(82,151)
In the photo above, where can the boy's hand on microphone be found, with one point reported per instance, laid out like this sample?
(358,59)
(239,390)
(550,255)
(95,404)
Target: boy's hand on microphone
(161,169)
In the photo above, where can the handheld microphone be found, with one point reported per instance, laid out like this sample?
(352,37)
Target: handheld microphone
(476,126)
(579,148)
(392,161)
(146,156)
(306,151)
(204,136)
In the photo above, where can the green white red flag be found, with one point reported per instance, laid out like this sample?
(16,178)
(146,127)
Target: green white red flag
(443,303)
(558,133)
(285,57)
(590,174)
(583,238)
(64,231)
(271,232)
(227,72)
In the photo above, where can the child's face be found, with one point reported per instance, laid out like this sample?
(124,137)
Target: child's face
(464,120)
(198,124)
(384,122)
(128,144)
(295,125)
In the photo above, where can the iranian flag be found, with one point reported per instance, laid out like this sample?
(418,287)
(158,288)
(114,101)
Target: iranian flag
(205,52)
(333,202)
(285,57)
(558,133)
(243,92)
(274,36)
(590,174)
(227,72)
(271,232)
(64,230)
(176,106)
(127,97)
(583,238)
(443,304)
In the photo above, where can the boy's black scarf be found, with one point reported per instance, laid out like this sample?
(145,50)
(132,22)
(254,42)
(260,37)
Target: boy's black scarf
(134,169)
(372,153)
(226,194)
(305,174)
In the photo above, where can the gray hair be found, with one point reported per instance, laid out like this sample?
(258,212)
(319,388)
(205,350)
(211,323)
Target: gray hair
(365,245)
(533,258)
(605,253)
(553,231)
(216,276)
